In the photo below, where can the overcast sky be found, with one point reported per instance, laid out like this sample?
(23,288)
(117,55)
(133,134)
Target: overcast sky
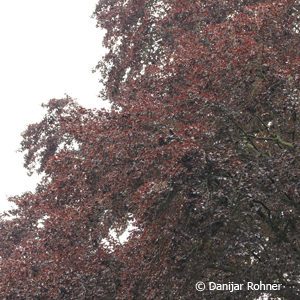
(48,49)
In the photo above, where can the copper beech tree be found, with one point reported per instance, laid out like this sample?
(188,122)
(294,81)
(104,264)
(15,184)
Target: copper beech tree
(199,152)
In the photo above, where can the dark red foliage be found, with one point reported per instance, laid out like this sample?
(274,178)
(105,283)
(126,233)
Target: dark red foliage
(200,152)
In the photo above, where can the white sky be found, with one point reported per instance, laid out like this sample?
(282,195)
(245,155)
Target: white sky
(48,49)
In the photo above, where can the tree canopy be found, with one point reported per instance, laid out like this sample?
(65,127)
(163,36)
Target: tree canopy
(200,152)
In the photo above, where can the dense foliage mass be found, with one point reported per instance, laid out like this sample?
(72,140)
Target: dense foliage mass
(200,152)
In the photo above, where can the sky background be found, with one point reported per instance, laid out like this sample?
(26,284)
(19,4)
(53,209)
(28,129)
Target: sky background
(48,49)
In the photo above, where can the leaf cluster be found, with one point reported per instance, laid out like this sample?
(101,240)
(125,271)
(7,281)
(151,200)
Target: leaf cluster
(200,153)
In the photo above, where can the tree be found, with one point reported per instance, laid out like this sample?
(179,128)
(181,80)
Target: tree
(200,151)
